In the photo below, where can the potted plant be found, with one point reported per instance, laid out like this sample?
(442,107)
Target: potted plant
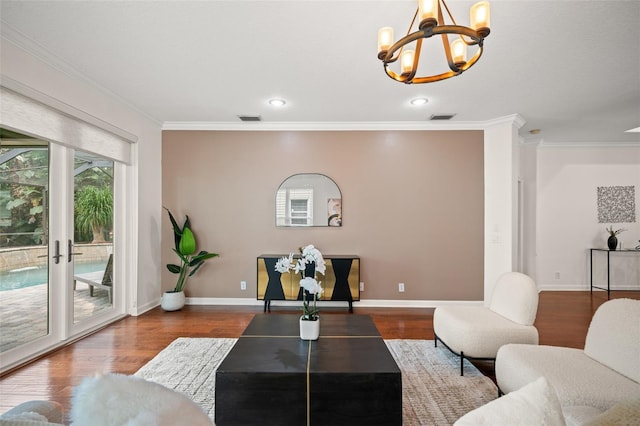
(612,241)
(309,263)
(190,262)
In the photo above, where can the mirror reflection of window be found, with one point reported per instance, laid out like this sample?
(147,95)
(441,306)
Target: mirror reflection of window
(308,199)
(281,207)
(294,207)
(301,207)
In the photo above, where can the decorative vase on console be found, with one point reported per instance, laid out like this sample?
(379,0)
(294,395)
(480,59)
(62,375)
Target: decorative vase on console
(309,263)
(612,241)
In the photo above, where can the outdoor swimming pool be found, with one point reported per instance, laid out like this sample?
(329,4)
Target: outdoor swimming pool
(27,277)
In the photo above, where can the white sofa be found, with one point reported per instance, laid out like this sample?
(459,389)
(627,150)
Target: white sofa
(589,381)
(537,404)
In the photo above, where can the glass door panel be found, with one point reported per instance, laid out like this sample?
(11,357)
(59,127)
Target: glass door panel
(57,260)
(92,249)
(24,223)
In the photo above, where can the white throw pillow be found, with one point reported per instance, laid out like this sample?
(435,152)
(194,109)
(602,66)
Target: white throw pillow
(116,399)
(533,404)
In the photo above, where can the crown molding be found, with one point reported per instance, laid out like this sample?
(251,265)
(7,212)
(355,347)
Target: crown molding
(10,35)
(582,144)
(322,126)
(515,119)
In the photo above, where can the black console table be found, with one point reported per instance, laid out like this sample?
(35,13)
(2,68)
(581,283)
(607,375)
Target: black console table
(608,288)
(341,281)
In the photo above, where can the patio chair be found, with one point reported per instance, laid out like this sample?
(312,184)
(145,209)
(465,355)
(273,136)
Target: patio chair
(102,279)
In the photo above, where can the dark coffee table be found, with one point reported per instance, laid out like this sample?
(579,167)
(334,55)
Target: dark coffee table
(346,377)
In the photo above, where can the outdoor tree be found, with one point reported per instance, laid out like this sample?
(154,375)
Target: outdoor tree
(23,180)
(94,211)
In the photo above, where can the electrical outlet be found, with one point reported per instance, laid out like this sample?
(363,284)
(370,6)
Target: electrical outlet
(243,285)
(400,287)
(557,275)
(362,286)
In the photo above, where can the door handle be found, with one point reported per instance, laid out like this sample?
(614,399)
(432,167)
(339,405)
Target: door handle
(70,251)
(57,254)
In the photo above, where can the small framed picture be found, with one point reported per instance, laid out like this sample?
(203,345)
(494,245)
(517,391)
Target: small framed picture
(334,211)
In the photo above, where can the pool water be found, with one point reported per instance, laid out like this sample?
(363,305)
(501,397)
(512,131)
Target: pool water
(27,277)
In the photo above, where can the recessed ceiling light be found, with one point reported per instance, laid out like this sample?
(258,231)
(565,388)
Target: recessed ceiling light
(277,102)
(419,101)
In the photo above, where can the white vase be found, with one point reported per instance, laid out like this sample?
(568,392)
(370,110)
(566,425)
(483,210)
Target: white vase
(309,330)
(172,300)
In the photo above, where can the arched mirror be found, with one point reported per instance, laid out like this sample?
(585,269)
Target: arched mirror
(308,199)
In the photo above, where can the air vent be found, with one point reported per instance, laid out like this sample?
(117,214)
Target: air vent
(250,117)
(441,117)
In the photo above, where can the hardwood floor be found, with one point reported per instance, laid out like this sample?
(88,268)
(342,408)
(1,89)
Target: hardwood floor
(125,346)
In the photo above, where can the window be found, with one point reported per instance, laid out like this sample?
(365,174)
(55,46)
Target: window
(294,207)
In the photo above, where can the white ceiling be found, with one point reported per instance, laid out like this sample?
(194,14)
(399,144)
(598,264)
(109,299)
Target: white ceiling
(569,68)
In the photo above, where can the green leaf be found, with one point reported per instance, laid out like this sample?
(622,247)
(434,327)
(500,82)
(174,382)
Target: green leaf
(177,232)
(187,242)
(173,268)
(184,257)
(15,203)
(197,266)
(202,256)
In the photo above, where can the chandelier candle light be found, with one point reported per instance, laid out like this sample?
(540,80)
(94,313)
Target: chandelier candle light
(310,262)
(431,23)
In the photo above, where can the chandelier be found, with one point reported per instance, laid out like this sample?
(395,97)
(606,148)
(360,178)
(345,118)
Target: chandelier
(431,23)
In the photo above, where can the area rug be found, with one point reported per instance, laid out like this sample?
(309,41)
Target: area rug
(433,391)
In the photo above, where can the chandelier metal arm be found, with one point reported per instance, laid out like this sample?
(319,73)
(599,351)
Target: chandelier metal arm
(443,76)
(428,32)
(431,26)
(416,60)
(388,56)
(447,53)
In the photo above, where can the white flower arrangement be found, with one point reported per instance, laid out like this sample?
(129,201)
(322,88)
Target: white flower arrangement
(308,255)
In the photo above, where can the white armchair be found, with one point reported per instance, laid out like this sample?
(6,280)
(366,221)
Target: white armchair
(477,332)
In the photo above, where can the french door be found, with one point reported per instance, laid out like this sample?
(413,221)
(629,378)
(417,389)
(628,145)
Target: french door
(65,177)
(58,239)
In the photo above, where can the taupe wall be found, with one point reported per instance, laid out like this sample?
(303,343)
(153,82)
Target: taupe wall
(412,206)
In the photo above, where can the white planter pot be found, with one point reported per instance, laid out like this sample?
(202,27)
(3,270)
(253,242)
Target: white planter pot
(309,330)
(172,301)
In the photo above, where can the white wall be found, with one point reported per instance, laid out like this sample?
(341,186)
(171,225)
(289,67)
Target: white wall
(566,215)
(25,72)
(528,175)
(501,170)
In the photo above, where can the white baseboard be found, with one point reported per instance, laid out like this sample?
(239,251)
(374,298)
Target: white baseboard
(141,309)
(364,303)
(556,287)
